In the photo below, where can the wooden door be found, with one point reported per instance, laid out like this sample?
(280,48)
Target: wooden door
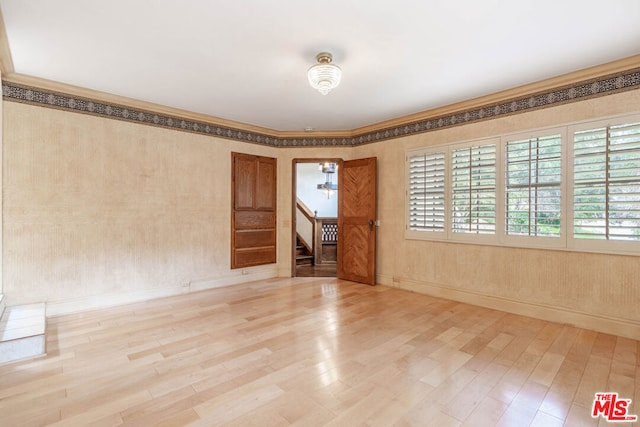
(253,216)
(357,220)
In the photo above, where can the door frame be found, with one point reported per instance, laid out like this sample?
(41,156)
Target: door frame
(294,194)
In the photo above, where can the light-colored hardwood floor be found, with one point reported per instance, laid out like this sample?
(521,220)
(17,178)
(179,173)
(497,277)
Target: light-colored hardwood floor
(315,351)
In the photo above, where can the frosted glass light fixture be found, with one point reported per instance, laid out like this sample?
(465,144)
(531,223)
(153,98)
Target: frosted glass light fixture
(324,76)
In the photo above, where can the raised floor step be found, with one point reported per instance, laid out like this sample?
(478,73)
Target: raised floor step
(22,329)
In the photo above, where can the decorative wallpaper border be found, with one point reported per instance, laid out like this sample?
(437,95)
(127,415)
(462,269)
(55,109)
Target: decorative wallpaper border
(580,91)
(61,101)
(607,85)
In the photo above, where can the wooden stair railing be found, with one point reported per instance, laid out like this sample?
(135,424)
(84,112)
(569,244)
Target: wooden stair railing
(305,234)
(316,237)
(326,238)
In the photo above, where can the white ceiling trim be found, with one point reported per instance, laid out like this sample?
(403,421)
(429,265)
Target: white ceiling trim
(586,89)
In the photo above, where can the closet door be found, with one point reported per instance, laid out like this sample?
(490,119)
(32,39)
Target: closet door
(253,216)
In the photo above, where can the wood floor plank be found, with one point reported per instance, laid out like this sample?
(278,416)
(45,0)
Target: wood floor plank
(315,351)
(466,401)
(488,410)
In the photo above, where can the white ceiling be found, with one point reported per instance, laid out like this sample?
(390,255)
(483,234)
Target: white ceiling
(246,60)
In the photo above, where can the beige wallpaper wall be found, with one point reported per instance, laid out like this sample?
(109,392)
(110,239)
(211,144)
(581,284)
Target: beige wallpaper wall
(100,212)
(598,291)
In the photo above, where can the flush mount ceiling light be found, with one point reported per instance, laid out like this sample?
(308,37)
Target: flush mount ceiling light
(324,76)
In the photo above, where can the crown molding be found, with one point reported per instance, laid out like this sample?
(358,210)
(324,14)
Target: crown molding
(572,79)
(605,79)
(86,94)
(95,96)
(6,62)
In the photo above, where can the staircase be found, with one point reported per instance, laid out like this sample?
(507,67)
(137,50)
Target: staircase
(303,255)
(22,330)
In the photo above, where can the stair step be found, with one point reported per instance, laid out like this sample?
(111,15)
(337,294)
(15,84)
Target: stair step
(304,260)
(22,331)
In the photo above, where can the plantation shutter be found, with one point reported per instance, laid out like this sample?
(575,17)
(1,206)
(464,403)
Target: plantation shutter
(474,189)
(533,180)
(606,183)
(427,192)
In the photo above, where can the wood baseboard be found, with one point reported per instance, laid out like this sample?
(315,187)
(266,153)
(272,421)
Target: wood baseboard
(75,305)
(621,327)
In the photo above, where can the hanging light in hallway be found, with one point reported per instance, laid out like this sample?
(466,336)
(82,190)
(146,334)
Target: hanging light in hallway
(328,169)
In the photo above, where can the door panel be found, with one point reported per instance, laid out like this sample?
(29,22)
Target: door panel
(255,256)
(252,219)
(356,220)
(254,238)
(266,184)
(355,251)
(245,169)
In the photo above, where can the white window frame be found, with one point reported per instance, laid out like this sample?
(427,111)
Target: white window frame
(421,234)
(535,241)
(566,240)
(471,237)
(447,234)
(580,244)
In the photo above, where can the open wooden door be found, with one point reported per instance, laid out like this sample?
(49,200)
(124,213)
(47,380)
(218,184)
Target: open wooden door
(357,220)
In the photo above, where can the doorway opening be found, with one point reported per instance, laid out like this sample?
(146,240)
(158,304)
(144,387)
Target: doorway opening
(315,217)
